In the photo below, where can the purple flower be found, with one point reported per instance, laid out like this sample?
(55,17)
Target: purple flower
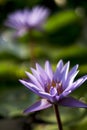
(27,19)
(54,88)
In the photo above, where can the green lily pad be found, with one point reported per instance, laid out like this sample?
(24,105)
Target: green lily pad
(14,99)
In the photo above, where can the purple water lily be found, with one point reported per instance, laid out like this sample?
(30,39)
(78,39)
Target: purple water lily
(27,19)
(54,88)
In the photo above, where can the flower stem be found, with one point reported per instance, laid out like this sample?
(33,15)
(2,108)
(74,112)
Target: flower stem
(32,48)
(58,117)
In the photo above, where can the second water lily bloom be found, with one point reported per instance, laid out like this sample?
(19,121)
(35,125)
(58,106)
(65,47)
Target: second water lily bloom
(54,87)
(25,20)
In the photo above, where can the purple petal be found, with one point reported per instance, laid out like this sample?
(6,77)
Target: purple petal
(48,70)
(74,86)
(60,65)
(64,73)
(57,74)
(34,80)
(71,75)
(42,72)
(38,77)
(17,20)
(73,70)
(38,91)
(45,95)
(82,80)
(72,102)
(70,79)
(48,96)
(53,91)
(39,105)
(37,16)
(27,19)
(30,86)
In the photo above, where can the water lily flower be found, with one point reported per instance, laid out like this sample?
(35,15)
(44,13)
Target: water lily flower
(54,87)
(25,20)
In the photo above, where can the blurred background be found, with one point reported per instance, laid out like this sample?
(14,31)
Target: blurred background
(65,37)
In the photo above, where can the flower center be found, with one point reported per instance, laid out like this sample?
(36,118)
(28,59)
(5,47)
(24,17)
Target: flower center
(57,85)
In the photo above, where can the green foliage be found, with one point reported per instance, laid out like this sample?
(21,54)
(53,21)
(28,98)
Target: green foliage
(61,19)
(63,27)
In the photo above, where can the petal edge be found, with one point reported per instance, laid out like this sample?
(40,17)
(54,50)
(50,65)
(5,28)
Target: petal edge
(72,102)
(39,105)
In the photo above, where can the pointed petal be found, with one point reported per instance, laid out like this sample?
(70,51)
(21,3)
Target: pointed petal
(36,90)
(38,77)
(61,72)
(39,105)
(42,72)
(72,102)
(73,70)
(70,79)
(64,73)
(57,74)
(75,85)
(48,70)
(79,82)
(71,76)
(34,80)
(30,86)
(60,65)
